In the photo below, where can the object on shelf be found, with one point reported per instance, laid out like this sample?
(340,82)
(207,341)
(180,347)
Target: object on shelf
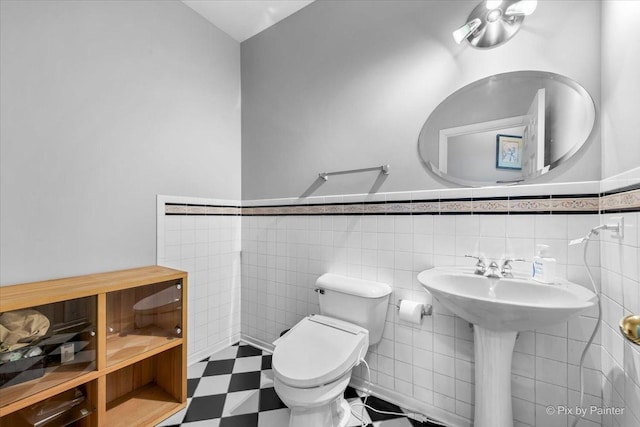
(21,357)
(38,340)
(67,341)
(59,410)
(18,328)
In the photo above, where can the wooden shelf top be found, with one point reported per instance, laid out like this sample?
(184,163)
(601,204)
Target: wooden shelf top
(127,347)
(49,291)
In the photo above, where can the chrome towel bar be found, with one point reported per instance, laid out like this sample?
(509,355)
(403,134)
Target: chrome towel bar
(384,169)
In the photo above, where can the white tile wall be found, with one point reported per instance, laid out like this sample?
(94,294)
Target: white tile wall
(432,362)
(208,248)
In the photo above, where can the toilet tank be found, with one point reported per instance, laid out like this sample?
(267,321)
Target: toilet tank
(358,301)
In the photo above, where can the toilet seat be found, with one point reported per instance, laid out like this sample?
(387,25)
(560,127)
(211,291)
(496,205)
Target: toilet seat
(318,350)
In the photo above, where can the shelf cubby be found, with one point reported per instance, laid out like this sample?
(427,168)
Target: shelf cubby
(150,388)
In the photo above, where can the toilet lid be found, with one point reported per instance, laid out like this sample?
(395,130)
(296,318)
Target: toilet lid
(318,350)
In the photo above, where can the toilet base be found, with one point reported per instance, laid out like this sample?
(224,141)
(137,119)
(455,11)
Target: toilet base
(343,412)
(322,406)
(334,414)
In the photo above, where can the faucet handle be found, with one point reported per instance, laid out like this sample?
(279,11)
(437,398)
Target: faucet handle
(506,266)
(481,267)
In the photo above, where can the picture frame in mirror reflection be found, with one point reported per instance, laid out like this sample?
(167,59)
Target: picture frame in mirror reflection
(508,152)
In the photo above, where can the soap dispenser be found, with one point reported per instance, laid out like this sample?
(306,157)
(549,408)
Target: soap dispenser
(544,266)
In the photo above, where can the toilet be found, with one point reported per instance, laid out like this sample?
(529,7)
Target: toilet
(312,362)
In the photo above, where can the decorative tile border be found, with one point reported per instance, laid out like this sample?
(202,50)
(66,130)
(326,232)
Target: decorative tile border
(530,205)
(625,200)
(456,207)
(328,209)
(353,209)
(200,210)
(499,205)
(213,210)
(398,208)
(586,203)
(171,209)
(425,207)
(375,208)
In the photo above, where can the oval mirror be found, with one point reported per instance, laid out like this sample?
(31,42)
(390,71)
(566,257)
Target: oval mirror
(506,129)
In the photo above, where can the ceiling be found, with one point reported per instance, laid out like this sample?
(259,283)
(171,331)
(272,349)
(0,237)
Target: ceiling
(242,19)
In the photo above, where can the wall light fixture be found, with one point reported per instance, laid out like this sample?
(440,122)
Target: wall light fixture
(493,22)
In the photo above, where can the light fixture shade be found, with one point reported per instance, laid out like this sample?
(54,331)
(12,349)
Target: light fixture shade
(522,8)
(494,22)
(466,30)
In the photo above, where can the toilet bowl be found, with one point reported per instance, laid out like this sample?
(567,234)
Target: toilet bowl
(312,366)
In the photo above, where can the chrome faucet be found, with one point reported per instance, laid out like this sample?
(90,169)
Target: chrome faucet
(493,269)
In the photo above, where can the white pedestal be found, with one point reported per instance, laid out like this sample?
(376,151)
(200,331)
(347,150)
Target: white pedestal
(493,352)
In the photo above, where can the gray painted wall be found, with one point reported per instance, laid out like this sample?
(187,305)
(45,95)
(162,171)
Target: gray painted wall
(343,85)
(104,105)
(620,87)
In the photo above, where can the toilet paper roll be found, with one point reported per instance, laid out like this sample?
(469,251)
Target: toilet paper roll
(411,311)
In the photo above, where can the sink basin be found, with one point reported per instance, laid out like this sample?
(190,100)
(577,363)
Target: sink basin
(505,304)
(499,308)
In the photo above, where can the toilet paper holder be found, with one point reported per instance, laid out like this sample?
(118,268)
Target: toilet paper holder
(427,309)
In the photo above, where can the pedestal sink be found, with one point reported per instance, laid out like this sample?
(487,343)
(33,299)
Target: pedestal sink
(499,308)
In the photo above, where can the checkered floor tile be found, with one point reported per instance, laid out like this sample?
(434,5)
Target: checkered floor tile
(234,388)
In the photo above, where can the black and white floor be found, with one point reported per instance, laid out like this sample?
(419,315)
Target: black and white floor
(234,388)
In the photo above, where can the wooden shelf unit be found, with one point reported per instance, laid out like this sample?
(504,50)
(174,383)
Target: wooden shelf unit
(140,374)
